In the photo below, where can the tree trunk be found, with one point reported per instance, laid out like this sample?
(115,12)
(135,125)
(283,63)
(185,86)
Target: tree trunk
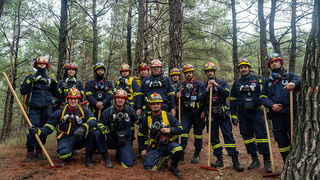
(8,113)
(139,43)
(71,55)
(112,39)
(175,11)
(146,36)
(273,39)
(62,38)
(263,39)
(95,32)
(1,6)
(129,29)
(303,161)
(159,27)
(234,40)
(293,50)
(122,46)
(84,29)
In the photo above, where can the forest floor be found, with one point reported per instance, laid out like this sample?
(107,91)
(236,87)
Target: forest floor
(13,165)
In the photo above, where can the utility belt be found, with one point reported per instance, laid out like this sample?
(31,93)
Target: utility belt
(191,105)
(220,110)
(260,107)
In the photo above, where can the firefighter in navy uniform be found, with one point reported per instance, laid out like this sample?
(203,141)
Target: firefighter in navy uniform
(157,133)
(275,96)
(246,109)
(159,84)
(70,80)
(175,78)
(73,123)
(128,84)
(143,71)
(220,117)
(39,89)
(115,129)
(99,92)
(191,90)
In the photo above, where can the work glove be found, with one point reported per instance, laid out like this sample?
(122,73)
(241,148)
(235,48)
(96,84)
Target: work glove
(34,130)
(104,129)
(80,132)
(234,120)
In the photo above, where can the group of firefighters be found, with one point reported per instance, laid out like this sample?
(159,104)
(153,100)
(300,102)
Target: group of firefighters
(150,102)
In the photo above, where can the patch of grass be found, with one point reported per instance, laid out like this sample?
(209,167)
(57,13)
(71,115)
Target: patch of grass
(19,141)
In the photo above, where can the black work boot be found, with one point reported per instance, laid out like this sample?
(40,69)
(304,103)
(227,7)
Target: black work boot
(39,155)
(107,159)
(88,159)
(175,171)
(255,162)
(30,157)
(182,157)
(219,162)
(267,163)
(196,157)
(236,164)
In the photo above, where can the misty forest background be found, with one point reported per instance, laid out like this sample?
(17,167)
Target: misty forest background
(134,31)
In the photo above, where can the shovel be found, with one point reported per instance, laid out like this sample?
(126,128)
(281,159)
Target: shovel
(28,120)
(208,167)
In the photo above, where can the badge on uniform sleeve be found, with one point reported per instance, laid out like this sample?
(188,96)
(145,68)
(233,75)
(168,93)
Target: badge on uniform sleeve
(285,82)
(269,84)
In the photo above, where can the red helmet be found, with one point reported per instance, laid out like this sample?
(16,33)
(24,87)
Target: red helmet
(143,66)
(273,57)
(121,93)
(156,63)
(41,60)
(125,67)
(175,71)
(71,66)
(73,93)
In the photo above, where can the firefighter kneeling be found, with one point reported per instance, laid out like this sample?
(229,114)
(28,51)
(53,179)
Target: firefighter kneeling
(114,130)
(156,137)
(73,124)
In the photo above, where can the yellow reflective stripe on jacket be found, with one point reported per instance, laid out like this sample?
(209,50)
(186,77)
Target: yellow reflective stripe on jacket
(263,96)
(198,136)
(171,93)
(227,89)
(262,140)
(230,145)
(154,168)
(233,98)
(88,93)
(49,126)
(60,91)
(248,141)
(179,148)
(285,149)
(140,134)
(217,146)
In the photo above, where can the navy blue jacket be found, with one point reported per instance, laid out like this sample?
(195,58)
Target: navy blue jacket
(219,94)
(42,90)
(132,89)
(238,95)
(99,91)
(63,87)
(273,92)
(66,127)
(192,94)
(148,87)
(114,125)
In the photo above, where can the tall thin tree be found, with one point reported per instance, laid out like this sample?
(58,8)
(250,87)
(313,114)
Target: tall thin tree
(293,49)
(63,31)
(234,40)
(263,38)
(175,11)
(140,42)
(303,161)
(129,29)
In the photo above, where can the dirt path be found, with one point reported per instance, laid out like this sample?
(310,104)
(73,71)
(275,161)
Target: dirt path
(13,166)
